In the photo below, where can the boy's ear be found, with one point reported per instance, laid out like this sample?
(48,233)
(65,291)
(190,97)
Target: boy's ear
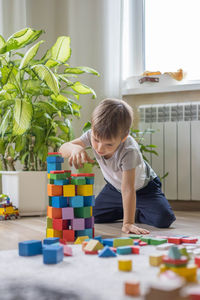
(123,140)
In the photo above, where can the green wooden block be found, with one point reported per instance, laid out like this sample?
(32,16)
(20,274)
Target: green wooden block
(157,241)
(78,180)
(82,212)
(87,168)
(146,239)
(135,236)
(49,223)
(51,181)
(123,241)
(58,176)
(50,201)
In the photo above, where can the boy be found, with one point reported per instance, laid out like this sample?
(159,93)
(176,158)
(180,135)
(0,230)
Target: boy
(133,190)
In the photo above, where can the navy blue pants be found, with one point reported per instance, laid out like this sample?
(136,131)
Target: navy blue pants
(152,207)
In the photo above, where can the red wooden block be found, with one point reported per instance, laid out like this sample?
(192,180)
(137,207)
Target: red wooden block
(141,243)
(93,232)
(91,252)
(197,261)
(189,240)
(113,249)
(57,172)
(60,224)
(83,175)
(67,250)
(69,235)
(135,249)
(54,153)
(174,240)
(54,212)
(63,242)
(181,261)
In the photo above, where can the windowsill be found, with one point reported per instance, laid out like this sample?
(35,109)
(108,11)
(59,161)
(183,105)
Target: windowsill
(152,88)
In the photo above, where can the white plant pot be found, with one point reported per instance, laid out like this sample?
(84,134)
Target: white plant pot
(27,191)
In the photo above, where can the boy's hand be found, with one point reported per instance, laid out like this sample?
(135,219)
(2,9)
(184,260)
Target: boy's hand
(78,158)
(130,228)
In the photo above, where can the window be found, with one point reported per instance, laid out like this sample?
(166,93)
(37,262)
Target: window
(161,36)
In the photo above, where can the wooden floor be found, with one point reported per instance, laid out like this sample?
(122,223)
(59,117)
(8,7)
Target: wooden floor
(28,228)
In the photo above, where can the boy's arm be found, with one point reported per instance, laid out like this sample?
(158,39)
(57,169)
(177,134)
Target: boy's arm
(75,152)
(129,203)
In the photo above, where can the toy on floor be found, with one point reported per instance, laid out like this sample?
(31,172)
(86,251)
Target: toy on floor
(71,201)
(7,210)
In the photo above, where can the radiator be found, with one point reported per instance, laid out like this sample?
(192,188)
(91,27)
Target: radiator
(177,136)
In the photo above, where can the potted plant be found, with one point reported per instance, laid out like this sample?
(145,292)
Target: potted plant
(38,99)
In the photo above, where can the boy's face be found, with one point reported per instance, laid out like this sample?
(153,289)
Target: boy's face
(106,148)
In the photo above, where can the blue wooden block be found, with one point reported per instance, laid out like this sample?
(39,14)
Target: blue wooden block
(124,250)
(55,159)
(30,248)
(76,201)
(135,242)
(87,232)
(89,180)
(51,240)
(59,201)
(53,254)
(53,167)
(98,238)
(89,200)
(107,242)
(107,252)
(174,252)
(61,181)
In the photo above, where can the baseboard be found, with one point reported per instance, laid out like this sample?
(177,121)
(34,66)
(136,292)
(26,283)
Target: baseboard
(184,205)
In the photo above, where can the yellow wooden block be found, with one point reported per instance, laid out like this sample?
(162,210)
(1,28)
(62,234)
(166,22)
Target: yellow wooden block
(189,272)
(85,190)
(155,260)
(69,190)
(91,210)
(81,239)
(48,175)
(93,245)
(125,265)
(53,233)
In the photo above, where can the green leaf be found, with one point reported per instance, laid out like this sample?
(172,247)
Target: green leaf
(2,146)
(86,126)
(46,75)
(81,70)
(20,143)
(29,55)
(5,122)
(61,49)
(60,98)
(23,113)
(62,77)
(2,45)
(83,89)
(56,139)
(22,38)
(6,103)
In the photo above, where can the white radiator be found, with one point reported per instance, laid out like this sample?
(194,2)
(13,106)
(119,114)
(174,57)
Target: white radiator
(177,136)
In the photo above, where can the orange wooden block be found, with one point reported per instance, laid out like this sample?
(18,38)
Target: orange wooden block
(54,190)
(132,288)
(54,212)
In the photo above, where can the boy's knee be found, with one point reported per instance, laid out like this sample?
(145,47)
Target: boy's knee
(165,219)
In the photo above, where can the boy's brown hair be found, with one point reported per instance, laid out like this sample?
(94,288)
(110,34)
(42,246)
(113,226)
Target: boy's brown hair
(112,118)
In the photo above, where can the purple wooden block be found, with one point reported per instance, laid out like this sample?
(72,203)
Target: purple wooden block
(67,213)
(89,222)
(78,224)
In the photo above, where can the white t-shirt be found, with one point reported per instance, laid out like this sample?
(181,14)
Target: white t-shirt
(126,157)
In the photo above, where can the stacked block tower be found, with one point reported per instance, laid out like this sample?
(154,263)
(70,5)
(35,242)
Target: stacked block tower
(71,201)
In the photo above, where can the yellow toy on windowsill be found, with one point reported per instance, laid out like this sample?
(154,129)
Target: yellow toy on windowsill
(7,210)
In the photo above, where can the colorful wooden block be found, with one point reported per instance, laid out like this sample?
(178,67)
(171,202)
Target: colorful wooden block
(60,224)
(197,261)
(52,240)
(50,201)
(146,239)
(89,222)
(88,232)
(85,190)
(54,190)
(59,201)
(155,260)
(54,154)
(107,252)
(58,175)
(182,261)
(89,200)
(135,249)
(174,252)
(122,241)
(135,236)
(107,242)
(53,233)
(189,240)
(53,166)
(124,250)
(55,159)
(132,288)
(78,180)
(30,248)
(125,265)
(99,237)
(83,175)
(76,201)
(82,212)
(174,240)
(91,252)
(157,241)
(81,239)
(53,254)
(67,213)
(69,235)
(69,190)
(78,224)
(67,250)
(61,181)
(49,222)
(93,245)
(54,212)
